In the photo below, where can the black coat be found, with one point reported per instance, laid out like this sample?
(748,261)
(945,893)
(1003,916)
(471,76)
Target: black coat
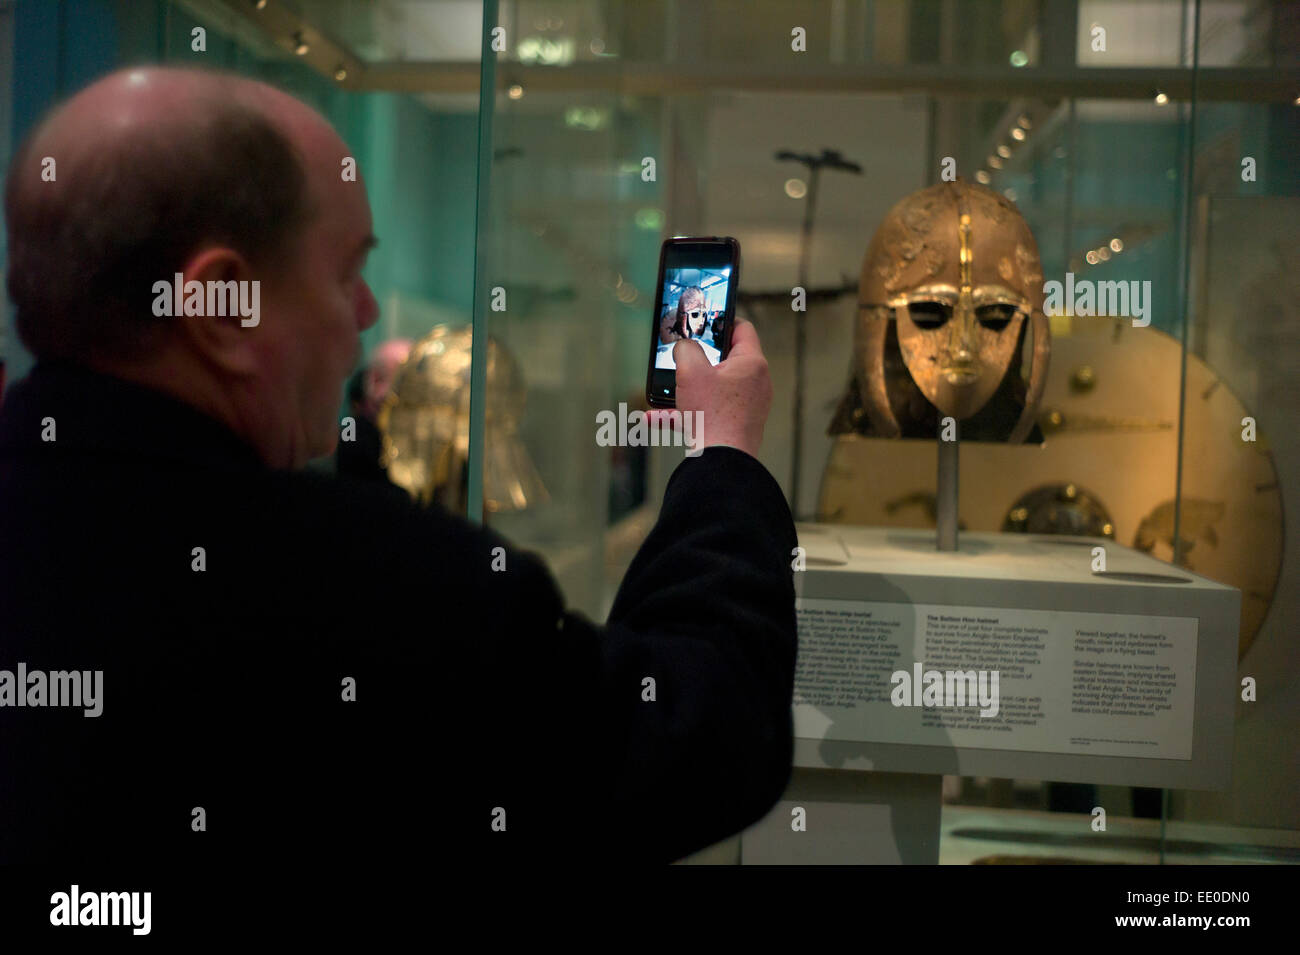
(476,691)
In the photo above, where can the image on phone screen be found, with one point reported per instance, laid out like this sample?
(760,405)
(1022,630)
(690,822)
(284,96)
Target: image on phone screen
(695,299)
(694,302)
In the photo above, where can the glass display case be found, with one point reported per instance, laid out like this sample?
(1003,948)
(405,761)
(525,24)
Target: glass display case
(525,159)
(1150,148)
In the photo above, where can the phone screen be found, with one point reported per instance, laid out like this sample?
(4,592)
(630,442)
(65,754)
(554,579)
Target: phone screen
(696,300)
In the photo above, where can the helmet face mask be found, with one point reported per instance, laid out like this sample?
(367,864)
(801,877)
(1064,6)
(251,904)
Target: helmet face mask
(691,314)
(957,269)
(958,344)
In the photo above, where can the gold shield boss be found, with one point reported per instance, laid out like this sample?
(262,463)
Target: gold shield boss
(957,268)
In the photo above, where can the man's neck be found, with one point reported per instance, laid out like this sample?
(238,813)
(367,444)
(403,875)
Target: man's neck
(176,374)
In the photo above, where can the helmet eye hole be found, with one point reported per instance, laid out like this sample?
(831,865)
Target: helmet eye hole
(929,314)
(995,317)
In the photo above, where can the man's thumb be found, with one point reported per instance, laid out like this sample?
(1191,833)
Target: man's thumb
(688,356)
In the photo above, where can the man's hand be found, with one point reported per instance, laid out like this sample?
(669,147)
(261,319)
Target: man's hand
(732,398)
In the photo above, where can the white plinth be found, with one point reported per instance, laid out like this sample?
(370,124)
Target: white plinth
(1048,579)
(878,591)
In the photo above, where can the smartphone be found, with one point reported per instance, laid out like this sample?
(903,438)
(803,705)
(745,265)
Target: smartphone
(695,298)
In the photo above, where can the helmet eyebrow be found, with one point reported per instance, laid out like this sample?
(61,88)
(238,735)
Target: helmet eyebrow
(1000,295)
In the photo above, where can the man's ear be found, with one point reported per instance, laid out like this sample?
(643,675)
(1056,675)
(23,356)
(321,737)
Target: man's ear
(218,283)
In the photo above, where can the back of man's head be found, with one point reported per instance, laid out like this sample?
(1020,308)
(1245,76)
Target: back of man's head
(194,182)
(99,207)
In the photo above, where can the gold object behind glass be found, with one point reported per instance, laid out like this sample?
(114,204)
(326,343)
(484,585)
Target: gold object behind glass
(425,426)
(950,282)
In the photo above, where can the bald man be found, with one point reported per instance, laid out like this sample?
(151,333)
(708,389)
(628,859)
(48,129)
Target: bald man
(195,667)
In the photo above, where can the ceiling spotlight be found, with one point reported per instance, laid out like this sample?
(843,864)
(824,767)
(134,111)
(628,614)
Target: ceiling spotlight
(1010,194)
(1161,98)
(1116,245)
(259,4)
(1091,258)
(1104,254)
(1018,134)
(515,91)
(341,74)
(796,188)
(300,44)
(1004,151)
(1018,58)
(1024,122)
(983,177)
(995,162)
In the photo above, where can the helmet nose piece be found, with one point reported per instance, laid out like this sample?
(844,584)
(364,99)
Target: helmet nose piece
(962,346)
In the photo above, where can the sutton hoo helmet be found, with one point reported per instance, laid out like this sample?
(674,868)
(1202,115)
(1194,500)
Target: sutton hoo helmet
(957,268)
